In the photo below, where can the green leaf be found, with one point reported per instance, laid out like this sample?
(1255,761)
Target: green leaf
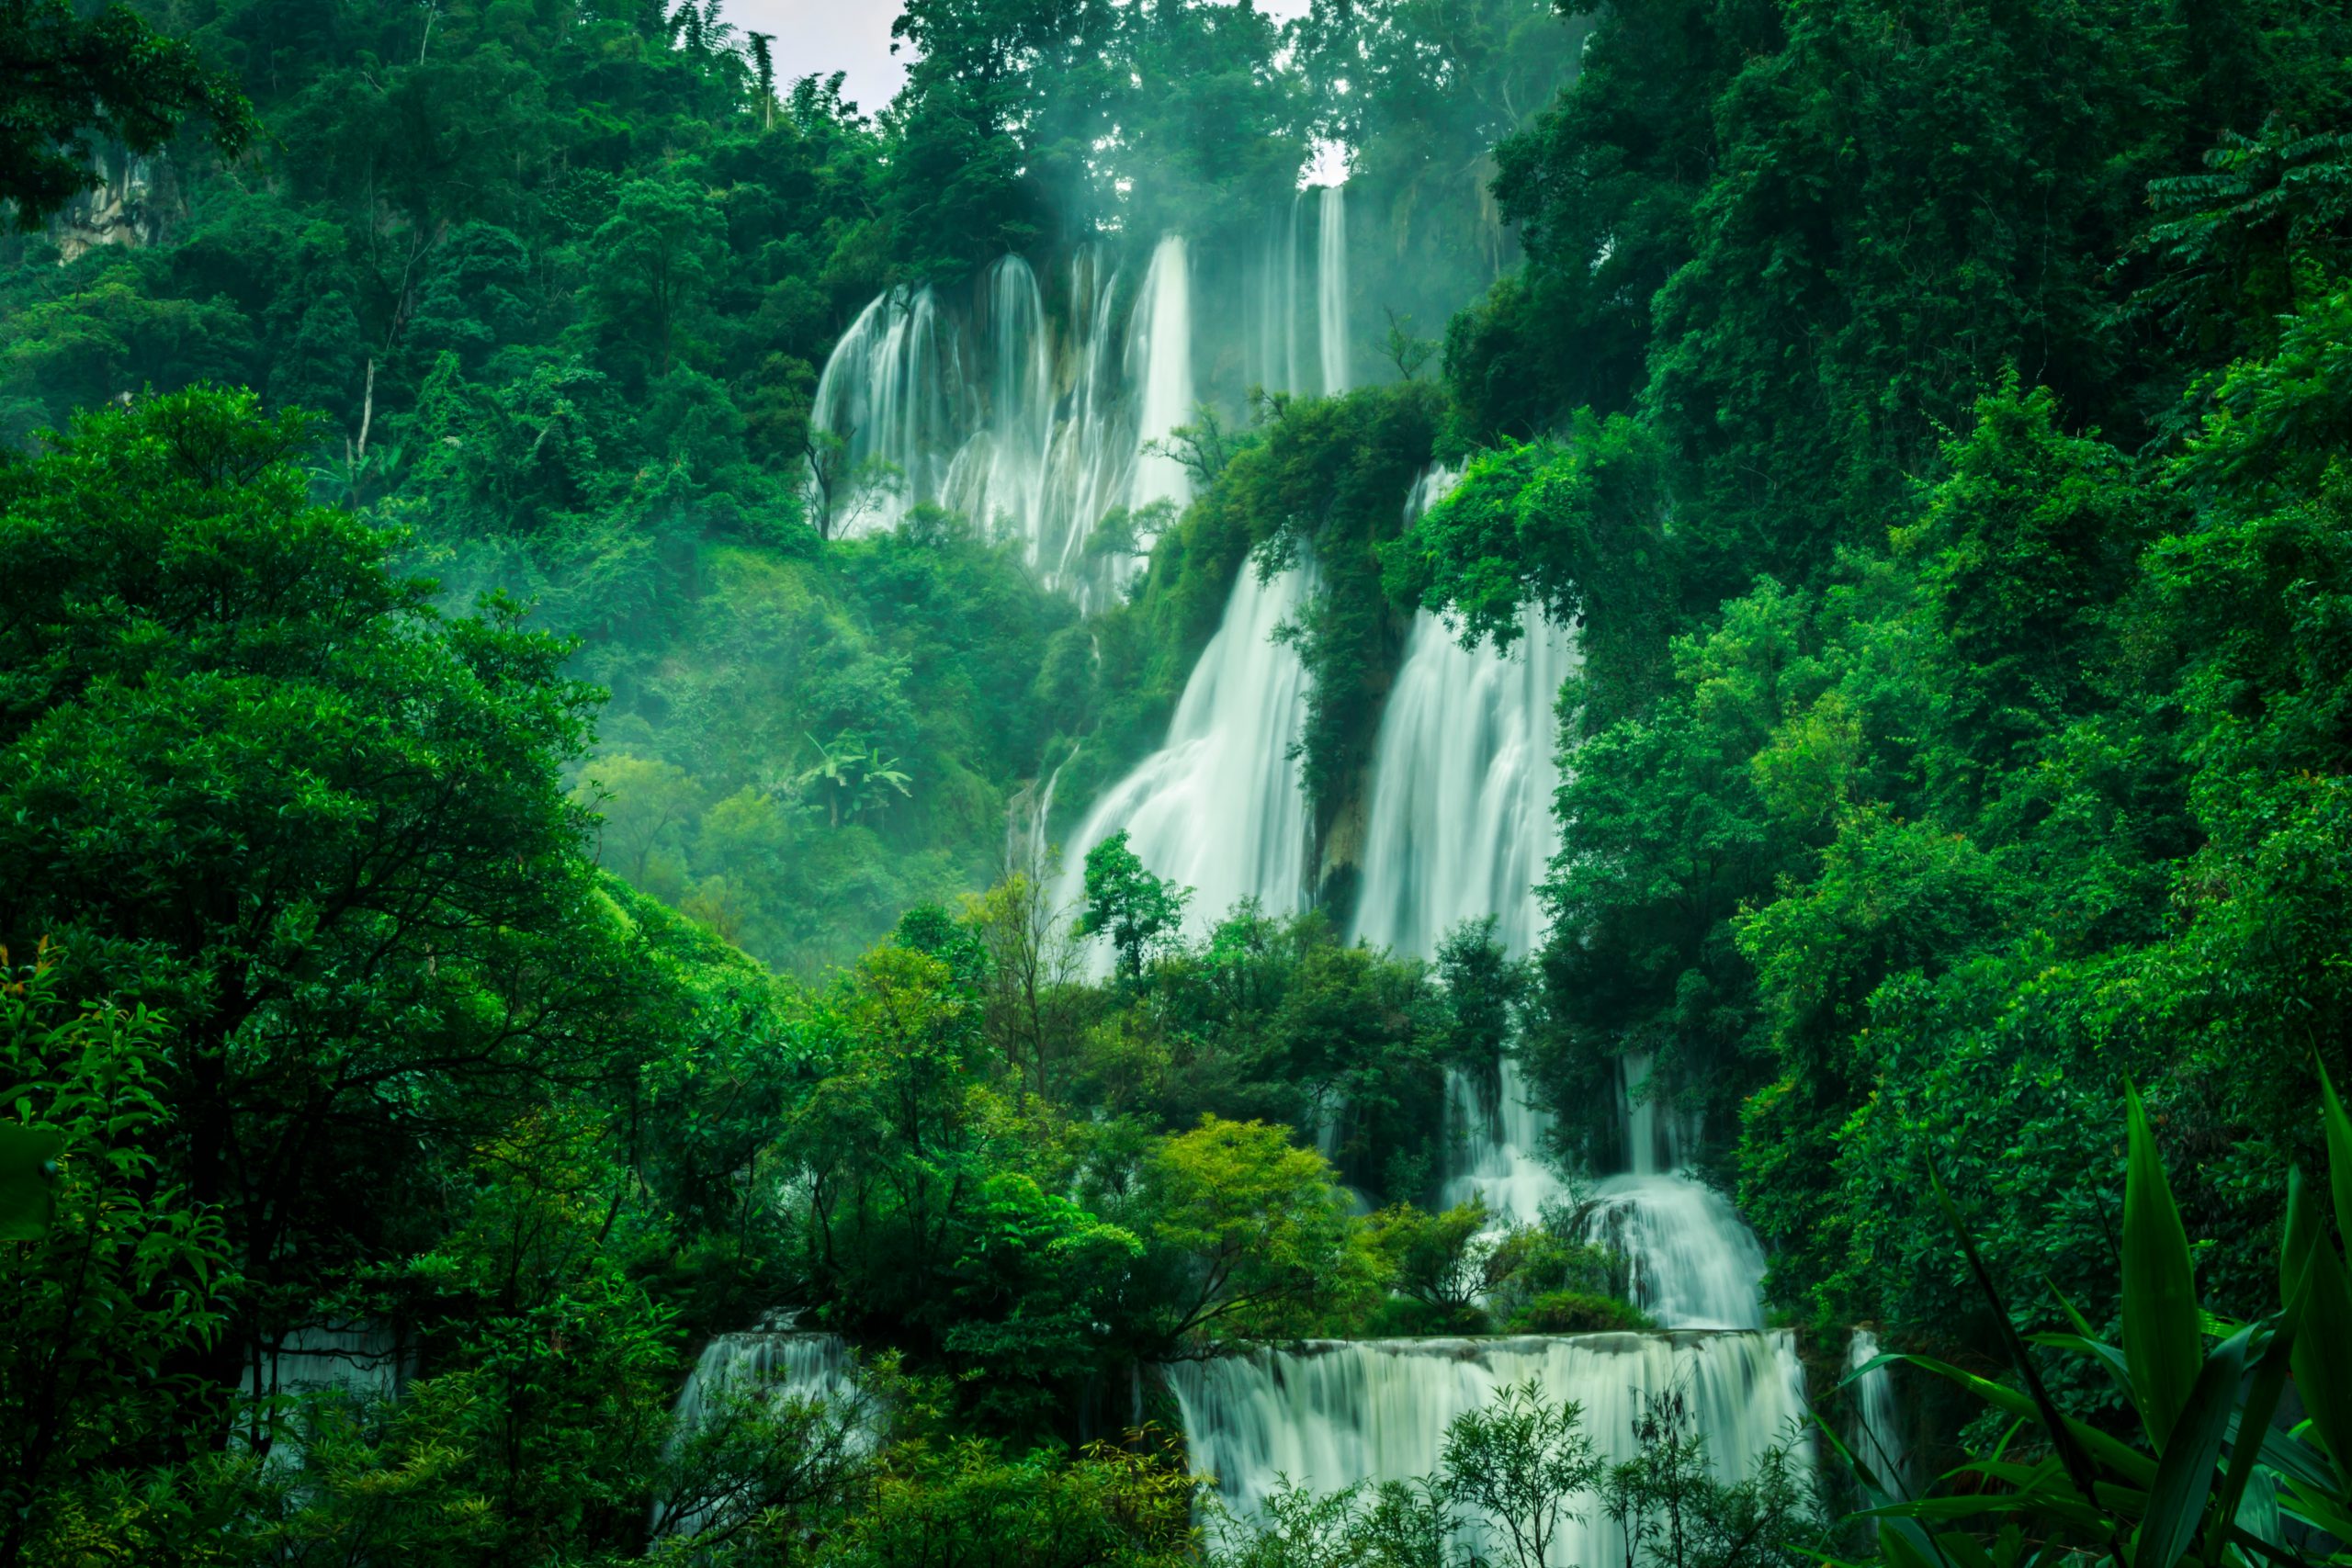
(2161,1338)
(2339,1128)
(2119,1457)
(2191,1456)
(28,1197)
(2261,1401)
(2323,1352)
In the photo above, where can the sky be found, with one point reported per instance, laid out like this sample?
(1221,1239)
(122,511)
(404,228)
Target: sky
(821,37)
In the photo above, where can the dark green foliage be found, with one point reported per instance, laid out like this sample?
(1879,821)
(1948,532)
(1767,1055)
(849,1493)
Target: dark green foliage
(75,83)
(2199,1409)
(1573,1311)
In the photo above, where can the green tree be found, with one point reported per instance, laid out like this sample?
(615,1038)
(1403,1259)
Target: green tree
(655,257)
(1246,1237)
(102,1310)
(250,775)
(1124,901)
(1522,1463)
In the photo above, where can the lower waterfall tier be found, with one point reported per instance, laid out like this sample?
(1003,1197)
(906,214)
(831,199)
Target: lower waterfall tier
(1331,1413)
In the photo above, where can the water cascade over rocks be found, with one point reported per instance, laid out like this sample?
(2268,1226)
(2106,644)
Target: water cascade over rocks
(1219,808)
(791,1365)
(1331,287)
(985,410)
(1330,1413)
(1876,1431)
(1161,368)
(1464,769)
(1460,825)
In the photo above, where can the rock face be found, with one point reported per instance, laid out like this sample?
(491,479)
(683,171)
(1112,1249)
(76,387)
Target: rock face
(124,209)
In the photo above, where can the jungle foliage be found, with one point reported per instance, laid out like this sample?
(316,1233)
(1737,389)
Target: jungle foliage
(489,867)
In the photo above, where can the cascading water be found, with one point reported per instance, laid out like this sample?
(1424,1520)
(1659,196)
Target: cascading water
(1090,452)
(1160,353)
(1331,287)
(1876,1431)
(782,1365)
(893,393)
(1270,349)
(1218,809)
(1328,1413)
(1460,826)
(1693,1262)
(982,411)
(789,1364)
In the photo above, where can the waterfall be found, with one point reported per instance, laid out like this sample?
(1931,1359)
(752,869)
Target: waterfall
(1693,1263)
(1464,769)
(1219,808)
(1328,1413)
(811,1367)
(893,393)
(1875,1433)
(979,407)
(364,1360)
(1089,453)
(1271,346)
(1499,1149)
(1017,436)
(1461,823)
(1331,287)
(1160,363)
(814,1371)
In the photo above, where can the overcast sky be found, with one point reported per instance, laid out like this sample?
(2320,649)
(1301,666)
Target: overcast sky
(826,35)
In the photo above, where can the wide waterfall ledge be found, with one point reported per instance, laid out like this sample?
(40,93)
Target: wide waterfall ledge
(1330,1414)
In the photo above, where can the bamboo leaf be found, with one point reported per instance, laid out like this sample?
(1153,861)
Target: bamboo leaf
(2125,1460)
(2163,1341)
(2322,1356)
(2191,1455)
(2062,1433)
(2339,1128)
(2261,1401)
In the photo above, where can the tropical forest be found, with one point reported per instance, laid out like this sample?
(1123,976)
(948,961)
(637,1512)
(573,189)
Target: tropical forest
(1257,784)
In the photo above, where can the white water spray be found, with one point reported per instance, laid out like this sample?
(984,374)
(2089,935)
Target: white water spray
(1876,1431)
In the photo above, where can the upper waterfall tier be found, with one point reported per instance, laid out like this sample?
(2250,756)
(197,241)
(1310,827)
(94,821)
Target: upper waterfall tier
(1694,1263)
(1331,287)
(985,410)
(1218,809)
(1331,1413)
(1038,424)
(1461,823)
(1499,1159)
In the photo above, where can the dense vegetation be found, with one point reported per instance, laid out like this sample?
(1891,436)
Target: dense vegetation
(488,870)
(1953,542)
